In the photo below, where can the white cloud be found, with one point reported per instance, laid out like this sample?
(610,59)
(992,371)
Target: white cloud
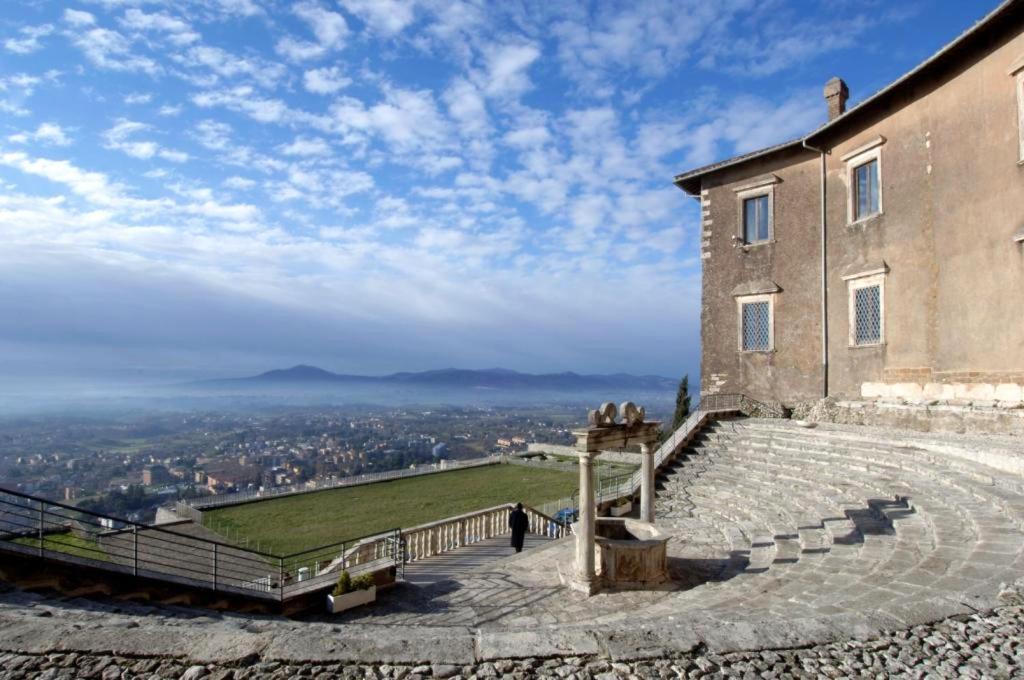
(47,133)
(138,98)
(407,119)
(329,28)
(507,68)
(214,134)
(384,17)
(177,31)
(467,106)
(303,146)
(93,186)
(294,49)
(264,110)
(243,8)
(169,110)
(78,17)
(30,42)
(239,183)
(528,137)
(110,50)
(121,138)
(224,64)
(325,80)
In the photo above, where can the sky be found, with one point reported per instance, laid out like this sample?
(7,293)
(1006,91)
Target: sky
(196,188)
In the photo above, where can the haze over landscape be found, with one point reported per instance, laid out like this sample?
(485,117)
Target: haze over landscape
(208,189)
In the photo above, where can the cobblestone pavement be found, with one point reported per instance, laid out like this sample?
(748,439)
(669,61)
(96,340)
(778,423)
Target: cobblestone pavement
(979,646)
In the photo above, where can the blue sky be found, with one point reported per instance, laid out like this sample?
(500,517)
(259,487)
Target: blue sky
(211,187)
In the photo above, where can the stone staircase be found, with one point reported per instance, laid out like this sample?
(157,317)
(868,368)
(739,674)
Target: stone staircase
(835,518)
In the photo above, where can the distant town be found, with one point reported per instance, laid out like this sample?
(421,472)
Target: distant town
(129,466)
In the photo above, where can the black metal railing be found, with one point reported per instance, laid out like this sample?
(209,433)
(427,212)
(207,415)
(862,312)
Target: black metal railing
(35,526)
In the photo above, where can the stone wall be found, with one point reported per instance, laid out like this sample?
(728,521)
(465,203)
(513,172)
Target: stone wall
(934,416)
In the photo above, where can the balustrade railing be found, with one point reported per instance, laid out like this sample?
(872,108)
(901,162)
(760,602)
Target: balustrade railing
(435,538)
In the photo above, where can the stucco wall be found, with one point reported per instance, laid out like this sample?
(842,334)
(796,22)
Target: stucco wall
(953,196)
(952,199)
(790,260)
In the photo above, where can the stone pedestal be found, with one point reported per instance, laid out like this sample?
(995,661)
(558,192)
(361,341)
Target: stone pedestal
(633,554)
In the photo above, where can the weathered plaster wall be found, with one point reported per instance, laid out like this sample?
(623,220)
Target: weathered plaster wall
(952,199)
(952,194)
(790,260)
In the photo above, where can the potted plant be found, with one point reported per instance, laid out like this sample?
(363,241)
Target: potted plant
(349,592)
(623,506)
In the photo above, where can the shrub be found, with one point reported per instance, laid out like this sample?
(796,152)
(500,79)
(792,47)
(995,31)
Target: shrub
(344,584)
(347,584)
(364,582)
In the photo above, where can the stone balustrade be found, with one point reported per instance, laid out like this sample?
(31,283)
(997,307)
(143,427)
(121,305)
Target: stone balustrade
(435,538)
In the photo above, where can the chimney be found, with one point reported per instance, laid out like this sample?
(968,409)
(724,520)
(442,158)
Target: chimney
(836,94)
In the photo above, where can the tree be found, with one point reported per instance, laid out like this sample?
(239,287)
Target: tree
(682,403)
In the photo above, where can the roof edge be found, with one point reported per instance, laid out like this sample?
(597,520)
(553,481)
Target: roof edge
(952,45)
(689,181)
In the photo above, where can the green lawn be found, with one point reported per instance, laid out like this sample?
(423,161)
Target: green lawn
(66,543)
(294,523)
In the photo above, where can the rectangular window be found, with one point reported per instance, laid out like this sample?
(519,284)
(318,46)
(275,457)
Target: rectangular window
(865,190)
(756,332)
(867,315)
(755,219)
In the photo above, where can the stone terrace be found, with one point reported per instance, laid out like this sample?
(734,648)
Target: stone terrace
(785,537)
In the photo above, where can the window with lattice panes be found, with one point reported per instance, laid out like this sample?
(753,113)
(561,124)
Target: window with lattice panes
(756,326)
(867,315)
(867,310)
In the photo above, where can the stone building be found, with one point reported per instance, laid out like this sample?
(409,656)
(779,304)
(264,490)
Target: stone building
(883,253)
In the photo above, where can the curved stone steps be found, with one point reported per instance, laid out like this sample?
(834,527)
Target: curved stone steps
(867,494)
(870,450)
(969,497)
(792,562)
(909,562)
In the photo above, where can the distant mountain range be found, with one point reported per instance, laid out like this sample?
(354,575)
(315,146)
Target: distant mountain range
(492,378)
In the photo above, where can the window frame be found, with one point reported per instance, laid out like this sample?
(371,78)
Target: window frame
(763,186)
(862,155)
(859,282)
(768,218)
(754,299)
(855,194)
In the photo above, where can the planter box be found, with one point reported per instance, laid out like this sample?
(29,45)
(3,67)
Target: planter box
(620,510)
(349,600)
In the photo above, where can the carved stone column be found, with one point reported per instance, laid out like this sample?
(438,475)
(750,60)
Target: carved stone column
(585,577)
(646,483)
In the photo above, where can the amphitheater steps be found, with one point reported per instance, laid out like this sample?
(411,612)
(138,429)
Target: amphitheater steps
(843,520)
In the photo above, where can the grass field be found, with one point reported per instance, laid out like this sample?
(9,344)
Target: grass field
(294,523)
(66,543)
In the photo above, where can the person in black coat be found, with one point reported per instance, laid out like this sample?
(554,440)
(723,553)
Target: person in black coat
(518,523)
